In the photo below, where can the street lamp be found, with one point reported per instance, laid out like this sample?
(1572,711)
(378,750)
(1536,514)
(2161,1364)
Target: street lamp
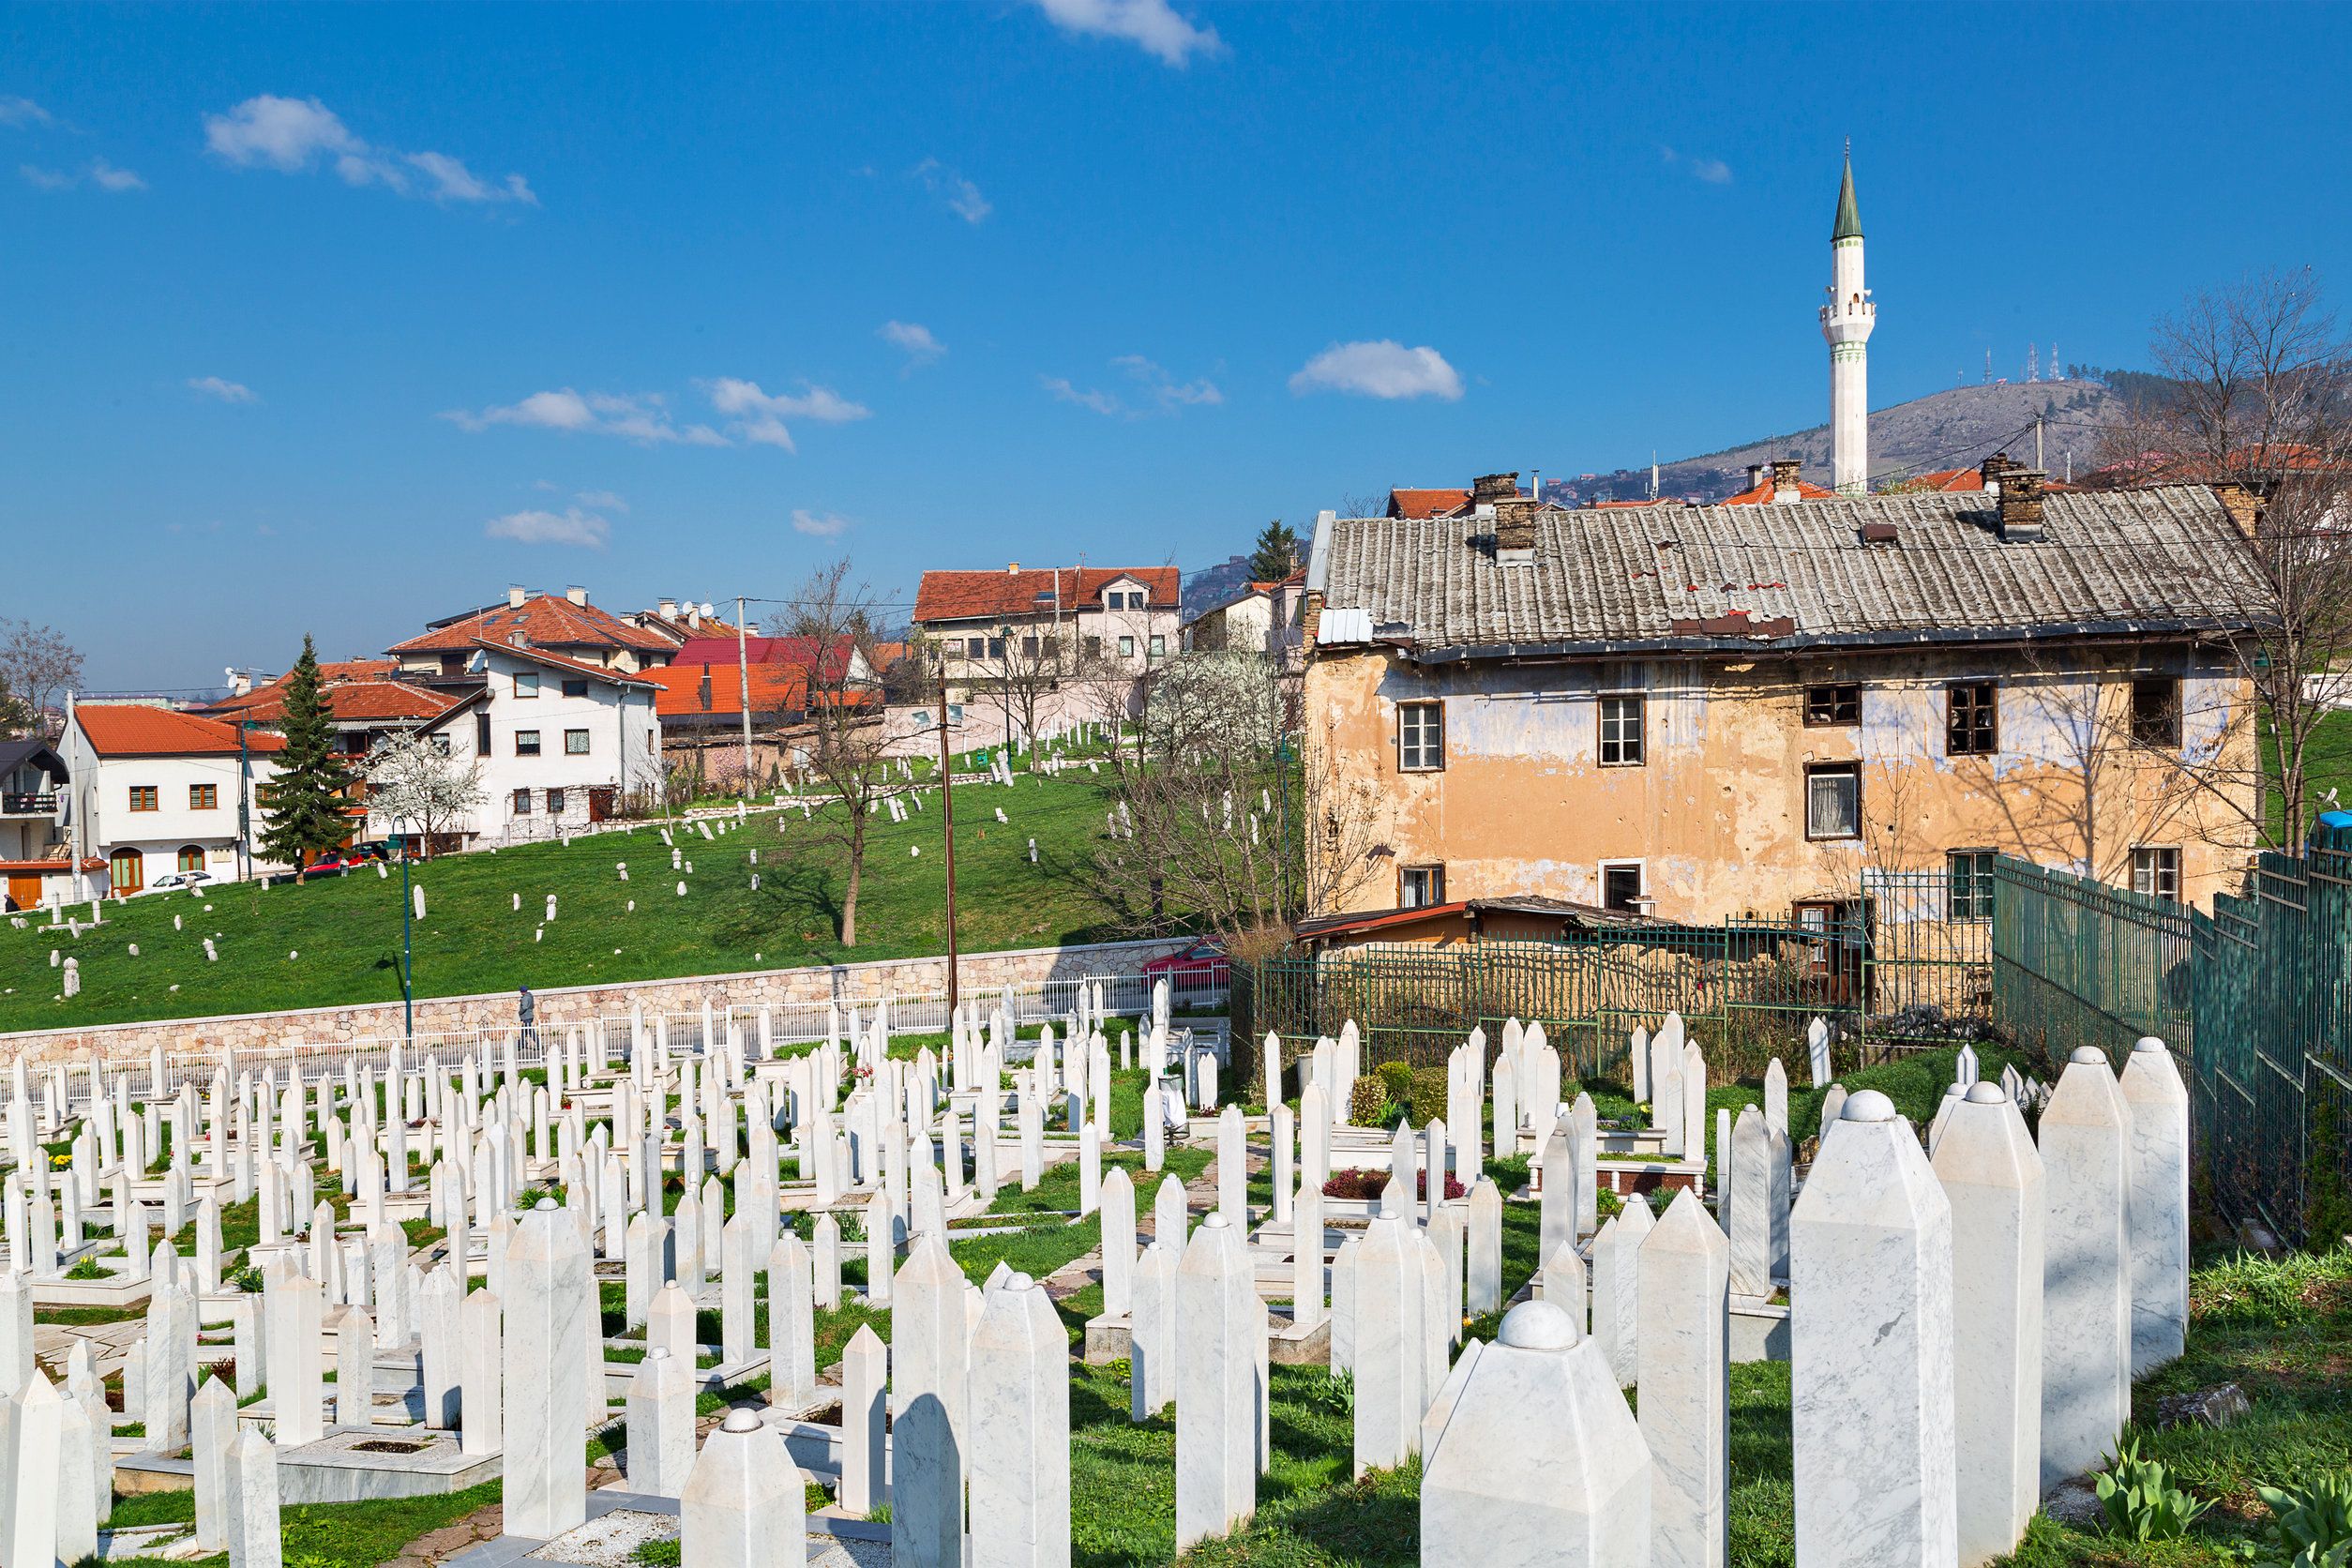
(245,796)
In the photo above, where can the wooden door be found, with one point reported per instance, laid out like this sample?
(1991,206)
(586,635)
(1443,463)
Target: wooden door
(26,891)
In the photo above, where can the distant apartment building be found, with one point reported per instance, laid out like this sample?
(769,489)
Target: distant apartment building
(1707,711)
(1260,618)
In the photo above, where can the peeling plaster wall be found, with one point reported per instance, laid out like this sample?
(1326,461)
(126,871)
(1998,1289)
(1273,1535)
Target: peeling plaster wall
(1716,814)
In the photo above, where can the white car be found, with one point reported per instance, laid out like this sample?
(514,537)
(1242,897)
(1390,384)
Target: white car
(171,880)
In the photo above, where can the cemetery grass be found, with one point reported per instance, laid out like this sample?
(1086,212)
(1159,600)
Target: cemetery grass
(317,1535)
(347,929)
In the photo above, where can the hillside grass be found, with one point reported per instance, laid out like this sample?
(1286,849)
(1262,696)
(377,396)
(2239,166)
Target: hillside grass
(2327,766)
(347,929)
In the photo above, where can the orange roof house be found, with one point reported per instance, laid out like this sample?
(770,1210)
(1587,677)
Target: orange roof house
(135,729)
(568,625)
(1014,594)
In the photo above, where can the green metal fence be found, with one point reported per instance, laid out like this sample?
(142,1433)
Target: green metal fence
(2254,999)
(1890,967)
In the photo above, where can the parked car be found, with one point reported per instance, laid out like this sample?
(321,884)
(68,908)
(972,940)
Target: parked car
(371,849)
(181,879)
(1201,965)
(333,862)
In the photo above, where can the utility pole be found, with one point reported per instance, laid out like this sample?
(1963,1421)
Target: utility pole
(743,684)
(2037,443)
(947,832)
(408,978)
(245,814)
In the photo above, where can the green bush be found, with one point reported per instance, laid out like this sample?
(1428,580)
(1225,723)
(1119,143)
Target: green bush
(2140,1500)
(1368,1104)
(2310,1527)
(1429,1095)
(1396,1078)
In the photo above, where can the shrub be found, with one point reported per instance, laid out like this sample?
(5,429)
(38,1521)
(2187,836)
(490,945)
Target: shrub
(1396,1078)
(1429,1095)
(88,1268)
(2310,1526)
(1368,1184)
(1368,1104)
(2140,1500)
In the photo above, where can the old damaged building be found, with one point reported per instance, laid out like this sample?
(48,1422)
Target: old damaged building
(1702,713)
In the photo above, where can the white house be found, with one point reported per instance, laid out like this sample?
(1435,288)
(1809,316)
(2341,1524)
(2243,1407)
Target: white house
(154,791)
(34,868)
(560,743)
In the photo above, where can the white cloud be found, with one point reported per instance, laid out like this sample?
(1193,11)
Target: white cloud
(1712,171)
(760,415)
(1165,391)
(645,419)
(1385,368)
(603,500)
(921,348)
(295,135)
(961,195)
(1152,26)
(107,177)
(100,174)
(821,525)
(1157,392)
(23,112)
(572,527)
(1101,402)
(226,391)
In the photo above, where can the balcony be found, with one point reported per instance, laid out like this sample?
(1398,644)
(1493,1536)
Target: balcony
(18,802)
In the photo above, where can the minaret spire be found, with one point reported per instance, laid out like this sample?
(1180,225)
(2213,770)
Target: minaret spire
(1846,321)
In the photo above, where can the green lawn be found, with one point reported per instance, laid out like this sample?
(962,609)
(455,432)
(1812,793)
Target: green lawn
(347,929)
(2327,766)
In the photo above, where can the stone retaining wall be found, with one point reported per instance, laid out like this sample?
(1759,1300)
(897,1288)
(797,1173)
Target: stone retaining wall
(570,1005)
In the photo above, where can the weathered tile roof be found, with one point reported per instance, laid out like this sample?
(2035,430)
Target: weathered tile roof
(2164,558)
(545,621)
(135,729)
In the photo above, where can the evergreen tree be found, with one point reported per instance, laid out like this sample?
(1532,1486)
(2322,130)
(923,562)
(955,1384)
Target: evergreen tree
(1277,553)
(305,802)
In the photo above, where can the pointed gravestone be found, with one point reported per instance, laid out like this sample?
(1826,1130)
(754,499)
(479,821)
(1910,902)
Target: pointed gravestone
(1219,1328)
(929,1353)
(1485,1291)
(213,1421)
(865,1415)
(1152,1336)
(481,1374)
(1682,1361)
(1870,1349)
(2158,1206)
(2085,1269)
(792,1325)
(1019,1394)
(660,1424)
(1539,1459)
(546,1375)
(252,1482)
(1992,1175)
(745,1505)
(1389,1331)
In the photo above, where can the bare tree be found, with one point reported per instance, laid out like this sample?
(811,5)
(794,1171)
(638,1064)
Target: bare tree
(2255,399)
(413,782)
(830,624)
(39,665)
(1222,818)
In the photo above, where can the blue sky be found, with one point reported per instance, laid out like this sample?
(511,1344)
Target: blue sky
(334,318)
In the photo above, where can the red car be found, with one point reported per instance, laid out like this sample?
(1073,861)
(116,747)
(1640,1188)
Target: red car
(1202,964)
(331,863)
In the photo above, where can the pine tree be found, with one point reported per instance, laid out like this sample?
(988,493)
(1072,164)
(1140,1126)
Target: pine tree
(1277,553)
(305,802)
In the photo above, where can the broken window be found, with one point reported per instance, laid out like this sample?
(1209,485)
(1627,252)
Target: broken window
(2156,711)
(1971,728)
(1833,705)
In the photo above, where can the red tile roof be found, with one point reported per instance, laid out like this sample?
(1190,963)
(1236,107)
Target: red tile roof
(972,596)
(546,621)
(331,672)
(800,653)
(1419,504)
(129,729)
(1762,493)
(692,690)
(676,628)
(354,703)
(89,863)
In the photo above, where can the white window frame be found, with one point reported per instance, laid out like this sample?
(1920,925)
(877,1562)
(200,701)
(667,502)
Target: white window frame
(1640,869)
(2150,876)
(1603,721)
(1413,751)
(1850,771)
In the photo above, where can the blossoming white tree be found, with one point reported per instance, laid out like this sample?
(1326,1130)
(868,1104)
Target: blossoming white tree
(413,783)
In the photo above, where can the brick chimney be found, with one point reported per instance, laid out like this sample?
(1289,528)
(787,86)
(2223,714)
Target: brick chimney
(1514,530)
(1992,470)
(2244,509)
(1489,488)
(2021,505)
(1784,471)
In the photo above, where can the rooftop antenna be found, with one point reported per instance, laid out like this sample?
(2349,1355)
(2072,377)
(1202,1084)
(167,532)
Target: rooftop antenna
(1988,366)
(2033,363)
